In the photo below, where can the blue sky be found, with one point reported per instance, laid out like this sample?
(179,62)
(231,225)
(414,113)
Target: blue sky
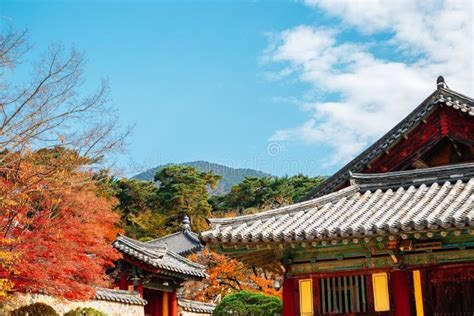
(283,87)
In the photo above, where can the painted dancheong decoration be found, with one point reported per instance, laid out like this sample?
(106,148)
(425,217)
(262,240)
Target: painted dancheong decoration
(391,233)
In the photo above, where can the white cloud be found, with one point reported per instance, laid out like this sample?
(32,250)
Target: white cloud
(435,37)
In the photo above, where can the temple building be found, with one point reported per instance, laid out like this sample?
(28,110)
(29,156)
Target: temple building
(391,233)
(157,268)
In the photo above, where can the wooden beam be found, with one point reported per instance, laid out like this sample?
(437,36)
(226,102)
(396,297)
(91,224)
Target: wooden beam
(383,262)
(420,164)
(158,286)
(248,255)
(262,260)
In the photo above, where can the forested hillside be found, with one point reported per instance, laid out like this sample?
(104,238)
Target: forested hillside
(229,176)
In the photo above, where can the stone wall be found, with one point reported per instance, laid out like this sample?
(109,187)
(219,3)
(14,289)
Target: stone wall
(64,306)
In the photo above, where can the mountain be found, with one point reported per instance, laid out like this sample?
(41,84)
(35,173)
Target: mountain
(230,176)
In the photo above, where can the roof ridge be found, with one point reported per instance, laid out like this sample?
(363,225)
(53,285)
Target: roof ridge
(414,177)
(458,94)
(192,235)
(449,167)
(286,209)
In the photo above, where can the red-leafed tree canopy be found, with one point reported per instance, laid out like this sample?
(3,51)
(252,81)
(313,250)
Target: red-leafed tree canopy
(58,225)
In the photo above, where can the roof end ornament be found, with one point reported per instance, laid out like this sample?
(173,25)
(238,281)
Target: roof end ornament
(185,226)
(351,178)
(440,83)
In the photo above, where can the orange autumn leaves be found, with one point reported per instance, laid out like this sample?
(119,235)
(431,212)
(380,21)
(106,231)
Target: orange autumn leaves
(227,276)
(55,225)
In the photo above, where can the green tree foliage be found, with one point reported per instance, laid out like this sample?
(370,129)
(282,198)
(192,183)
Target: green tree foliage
(150,209)
(36,309)
(184,190)
(137,203)
(257,194)
(247,303)
(84,311)
(140,208)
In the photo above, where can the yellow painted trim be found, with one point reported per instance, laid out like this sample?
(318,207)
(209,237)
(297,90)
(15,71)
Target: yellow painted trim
(131,288)
(418,293)
(381,293)
(306,297)
(165,303)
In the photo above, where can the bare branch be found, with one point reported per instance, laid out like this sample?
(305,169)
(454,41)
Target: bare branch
(51,111)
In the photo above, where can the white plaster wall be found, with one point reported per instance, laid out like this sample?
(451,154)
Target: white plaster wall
(64,306)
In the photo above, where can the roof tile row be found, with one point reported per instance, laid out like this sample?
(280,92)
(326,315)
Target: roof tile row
(119,296)
(430,203)
(196,307)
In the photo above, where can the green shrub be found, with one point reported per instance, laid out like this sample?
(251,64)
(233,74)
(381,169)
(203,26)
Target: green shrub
(247,303)
(84,311)
(36,309)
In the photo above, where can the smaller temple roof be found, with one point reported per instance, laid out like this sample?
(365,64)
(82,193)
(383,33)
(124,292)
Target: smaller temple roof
(196,307)
(374,204)
(119,296)
(184,242)
(159,256)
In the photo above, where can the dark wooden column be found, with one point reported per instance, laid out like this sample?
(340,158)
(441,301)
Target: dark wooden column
(289,301)
(401,292)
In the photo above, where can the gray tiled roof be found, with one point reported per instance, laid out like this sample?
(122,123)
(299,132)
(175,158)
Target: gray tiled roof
(196,307)
(159,256)
(184,242)
(119,296)
(441,97)
(377,204)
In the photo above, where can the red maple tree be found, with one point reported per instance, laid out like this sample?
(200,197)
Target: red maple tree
(57,224)
(227,276)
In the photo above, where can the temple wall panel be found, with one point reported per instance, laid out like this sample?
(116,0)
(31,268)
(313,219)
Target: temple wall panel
(446,289)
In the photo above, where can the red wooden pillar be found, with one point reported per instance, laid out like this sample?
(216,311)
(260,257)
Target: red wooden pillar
(401,293)
(159,303)
(289,304)
(123,282)
(152,298)
(316,295)
(173,304)
(139,289)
